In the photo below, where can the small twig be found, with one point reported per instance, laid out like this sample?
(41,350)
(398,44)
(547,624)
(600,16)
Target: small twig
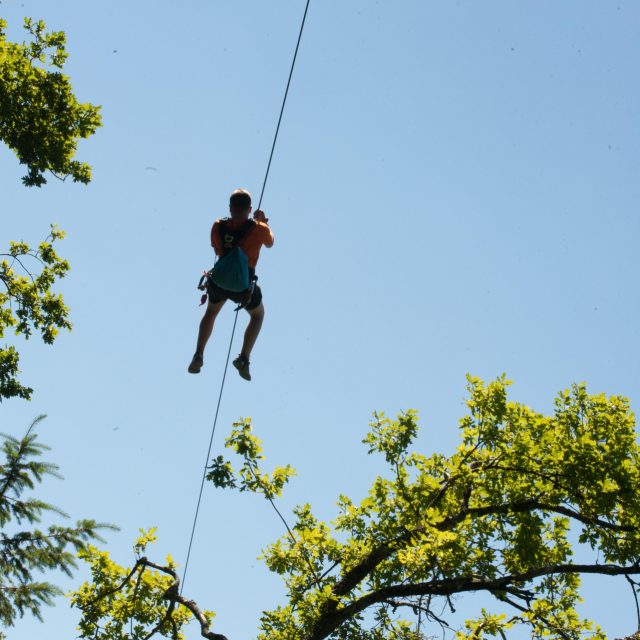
(555,477)
(633,585)
(441,621)
(513,603)
(523,594)
(476,634)
(450,604)
(289,531)
(325,573)
(55,175)
(527,609)
(33,255)
(167,616)
(110,592)
(133,600)
(273,504)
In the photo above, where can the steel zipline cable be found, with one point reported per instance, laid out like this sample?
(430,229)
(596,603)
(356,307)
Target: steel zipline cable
(204,472)
(284,102)
(226,365)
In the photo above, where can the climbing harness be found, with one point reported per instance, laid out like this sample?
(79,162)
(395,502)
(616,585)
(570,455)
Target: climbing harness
(231,271)
(231,237)
(226,365)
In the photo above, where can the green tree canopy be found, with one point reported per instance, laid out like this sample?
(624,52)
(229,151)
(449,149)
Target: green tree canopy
(500,515)
(41,119)
(25,551)
(27,303)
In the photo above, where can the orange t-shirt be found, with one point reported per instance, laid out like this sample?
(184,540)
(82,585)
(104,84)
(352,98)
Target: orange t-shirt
(260,234)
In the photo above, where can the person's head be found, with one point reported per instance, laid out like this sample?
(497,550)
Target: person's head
(240,204)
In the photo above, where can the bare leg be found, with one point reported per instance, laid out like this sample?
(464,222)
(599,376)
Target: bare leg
(206,324)
(253,329)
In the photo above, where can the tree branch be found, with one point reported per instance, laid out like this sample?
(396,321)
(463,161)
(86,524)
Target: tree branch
(332,619)
(267,495)
(354,576)
(633,586)
(540,617)
(514,507)
(166,618)
(110,592)
(173,594)
(530,505)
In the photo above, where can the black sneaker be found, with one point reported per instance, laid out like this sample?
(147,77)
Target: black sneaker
(196,363)
(241,363)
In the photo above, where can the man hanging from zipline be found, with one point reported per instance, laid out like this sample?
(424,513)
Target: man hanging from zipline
(237,241)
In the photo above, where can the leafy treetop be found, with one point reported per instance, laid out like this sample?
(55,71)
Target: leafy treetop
(493,517)
(41,119)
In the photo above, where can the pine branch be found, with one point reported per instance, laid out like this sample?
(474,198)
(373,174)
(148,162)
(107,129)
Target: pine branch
(24,552)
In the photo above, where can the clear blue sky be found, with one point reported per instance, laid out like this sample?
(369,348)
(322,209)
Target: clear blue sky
(455,190)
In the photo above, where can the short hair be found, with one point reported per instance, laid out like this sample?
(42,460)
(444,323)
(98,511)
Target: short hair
(240,199)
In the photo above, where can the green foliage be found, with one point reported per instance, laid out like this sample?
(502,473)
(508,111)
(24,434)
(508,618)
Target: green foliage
(28,303)
(24,552)
(124,602)
(497,516)
(250,477)
(41,120)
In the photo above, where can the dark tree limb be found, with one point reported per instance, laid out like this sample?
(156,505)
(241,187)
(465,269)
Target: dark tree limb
(331,619)
(531,504)
(123,584)
(633,584)
(540,617)
(172,594)
(354,576)
(165,619)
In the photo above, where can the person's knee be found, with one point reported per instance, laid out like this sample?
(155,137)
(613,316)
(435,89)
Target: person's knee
(257,313)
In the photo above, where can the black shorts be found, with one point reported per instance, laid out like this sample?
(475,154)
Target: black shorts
(216,294)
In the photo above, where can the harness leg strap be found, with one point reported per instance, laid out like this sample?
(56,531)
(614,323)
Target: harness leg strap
(249,295)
